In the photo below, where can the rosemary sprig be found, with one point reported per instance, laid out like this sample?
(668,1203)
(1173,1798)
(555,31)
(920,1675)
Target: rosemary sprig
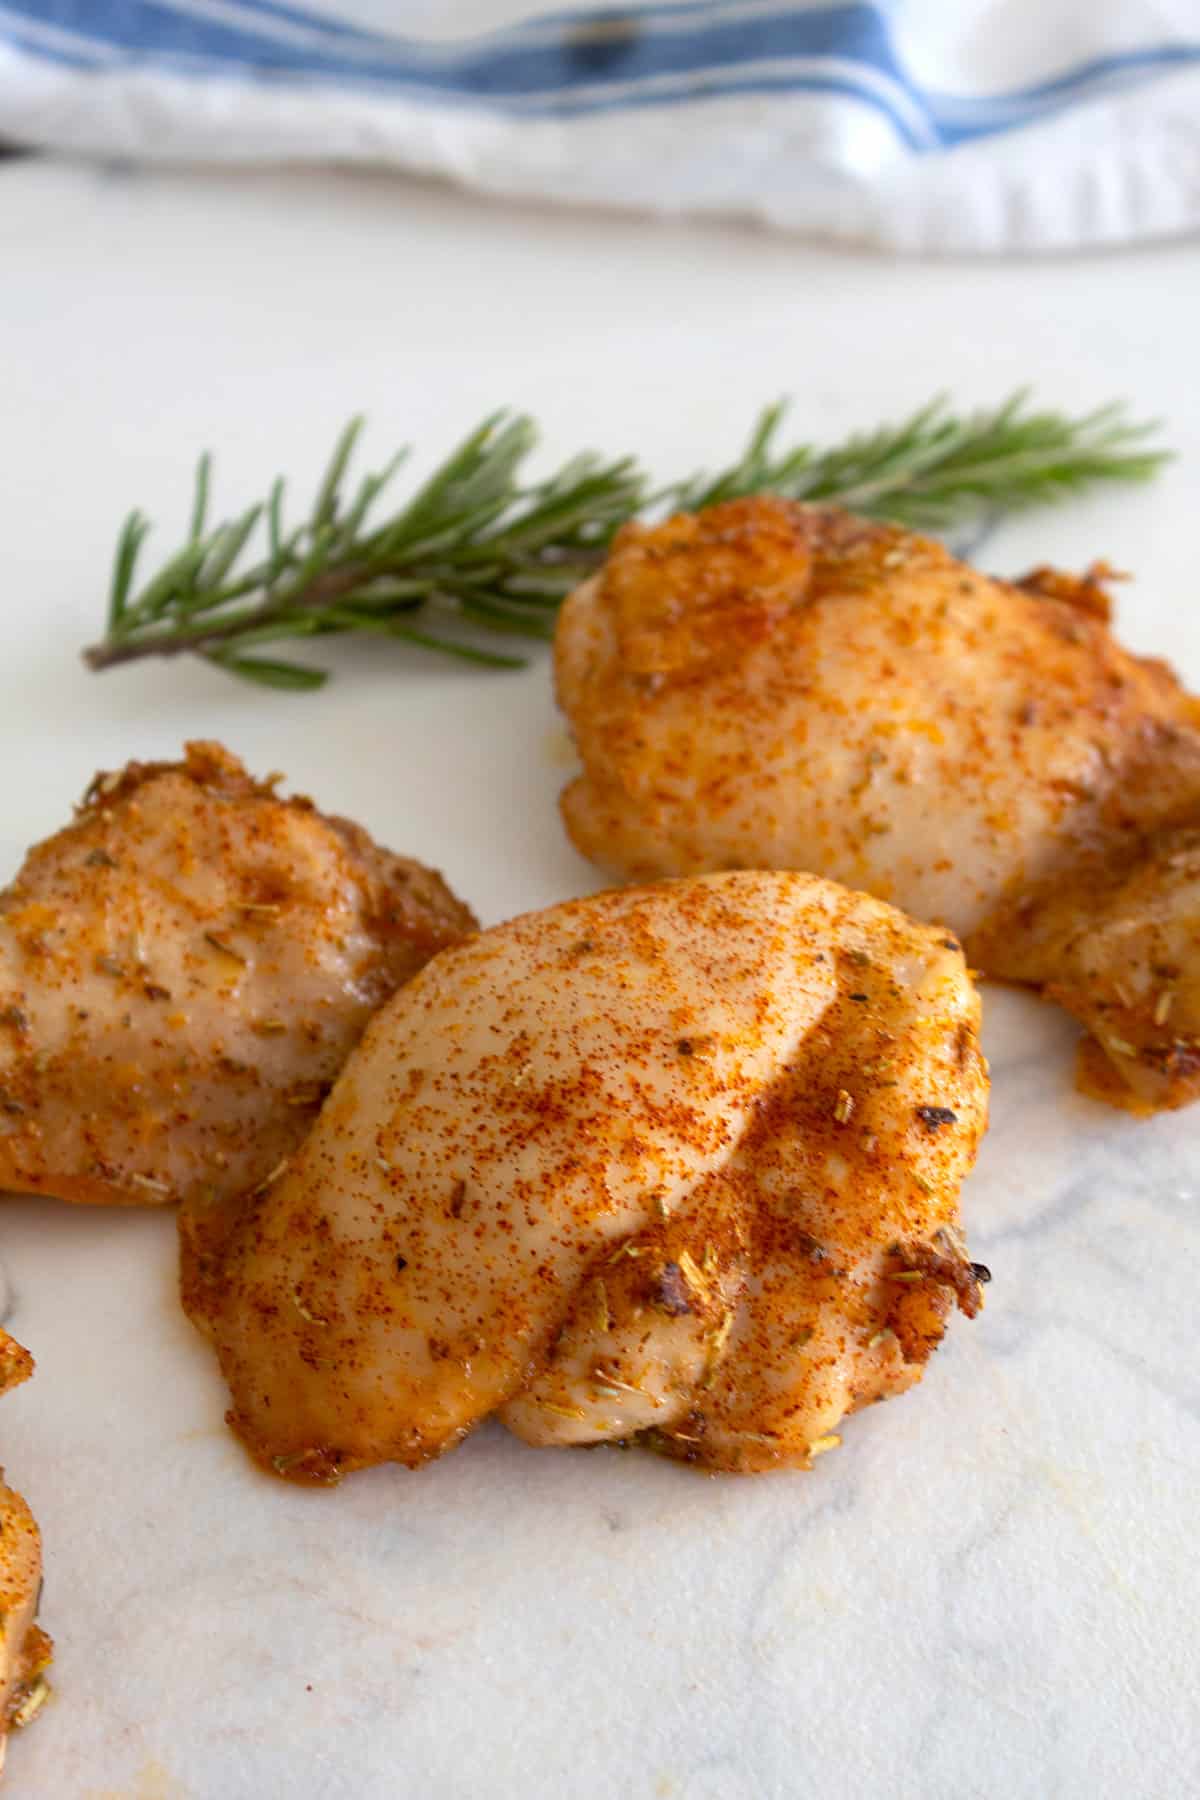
(480,550)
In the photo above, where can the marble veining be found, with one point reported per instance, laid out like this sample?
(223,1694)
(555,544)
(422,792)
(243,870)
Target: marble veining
(990,1592)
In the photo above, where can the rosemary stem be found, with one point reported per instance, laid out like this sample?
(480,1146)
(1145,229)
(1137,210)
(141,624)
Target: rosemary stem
(321,591)
(481,542)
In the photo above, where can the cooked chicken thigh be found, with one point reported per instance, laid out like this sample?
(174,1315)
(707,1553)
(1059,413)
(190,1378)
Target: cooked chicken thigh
(183,971)
(681,1160)
(772,685)
(25,1649)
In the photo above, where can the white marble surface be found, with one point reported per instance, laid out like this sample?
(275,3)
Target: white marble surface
(992,1590)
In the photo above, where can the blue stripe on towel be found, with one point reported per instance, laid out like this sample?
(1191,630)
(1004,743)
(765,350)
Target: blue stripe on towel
(567,66)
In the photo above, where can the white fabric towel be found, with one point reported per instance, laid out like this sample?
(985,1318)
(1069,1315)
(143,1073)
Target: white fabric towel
(917,125)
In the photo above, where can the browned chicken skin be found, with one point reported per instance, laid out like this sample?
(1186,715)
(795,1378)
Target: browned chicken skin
(680,1161)
(773,685)
(25,1650)
(183,971)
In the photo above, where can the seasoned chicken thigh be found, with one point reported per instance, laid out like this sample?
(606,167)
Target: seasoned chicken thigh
(183,971)
(772,685)
(25,1650)
(681,1160)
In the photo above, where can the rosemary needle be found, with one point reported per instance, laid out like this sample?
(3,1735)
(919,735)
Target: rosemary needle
(479,551)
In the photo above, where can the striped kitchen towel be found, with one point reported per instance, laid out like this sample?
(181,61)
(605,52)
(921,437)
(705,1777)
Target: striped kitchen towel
(919,125)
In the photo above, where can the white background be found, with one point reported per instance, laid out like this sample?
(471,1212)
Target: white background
(992,1588)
